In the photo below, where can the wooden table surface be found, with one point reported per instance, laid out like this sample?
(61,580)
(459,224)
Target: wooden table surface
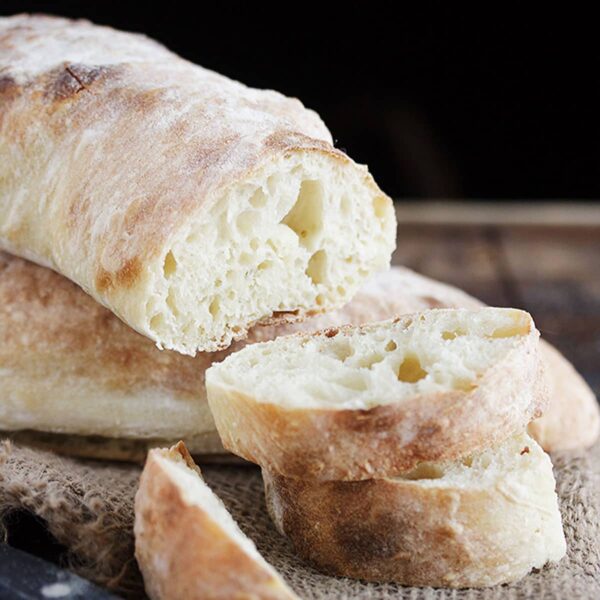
(543,258)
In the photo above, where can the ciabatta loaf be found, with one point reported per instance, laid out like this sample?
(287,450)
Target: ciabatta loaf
(480,521)
(572,419)
(186,542)
(75,379)
(189,204)
(375,400)
(69,366)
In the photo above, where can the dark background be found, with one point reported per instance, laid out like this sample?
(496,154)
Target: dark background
(496,105)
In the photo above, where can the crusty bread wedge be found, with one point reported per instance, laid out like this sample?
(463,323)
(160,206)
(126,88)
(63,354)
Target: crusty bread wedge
(480,521)
(186,542)
(189,204)
(372,401)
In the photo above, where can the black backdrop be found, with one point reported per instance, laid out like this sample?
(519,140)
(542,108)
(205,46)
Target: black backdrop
(438,104)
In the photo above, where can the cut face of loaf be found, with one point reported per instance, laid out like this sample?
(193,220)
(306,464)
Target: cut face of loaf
(372,401)
(190,205)
(187,544)
(298,237)
(481,521)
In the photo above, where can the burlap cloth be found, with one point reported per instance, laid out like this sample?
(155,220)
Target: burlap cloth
(88,507)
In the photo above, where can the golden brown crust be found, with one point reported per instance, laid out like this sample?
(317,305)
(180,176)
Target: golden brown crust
(352,444)
(183,550)
(472,535)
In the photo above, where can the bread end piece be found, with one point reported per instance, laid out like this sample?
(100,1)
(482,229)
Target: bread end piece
(186,543)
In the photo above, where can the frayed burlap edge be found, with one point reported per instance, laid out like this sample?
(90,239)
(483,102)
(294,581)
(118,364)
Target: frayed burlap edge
(87,507)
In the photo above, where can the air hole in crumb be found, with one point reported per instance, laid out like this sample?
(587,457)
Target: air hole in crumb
(258,199)
(157,322)
(317,267)
(213,308)
(245,259)
(411,371)
(424,471)
(172,303)
(467,461)
(236,329)
(265,264)
(391,346)
(305,217)
(367,362)
(451,335)
(247,221)
(273,182)
(485,461)
(464,385)
(353,381)
(254,244)
(341,290)
(346,205)
(380,206)
(320,300)
(509,331)
(170,265)
(218,283)
(342,350)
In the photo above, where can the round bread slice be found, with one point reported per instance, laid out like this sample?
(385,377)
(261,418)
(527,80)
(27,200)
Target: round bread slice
(372,401)
(186,542)
(484,520)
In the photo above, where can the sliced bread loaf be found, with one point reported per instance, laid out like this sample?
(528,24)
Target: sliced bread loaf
(373,401)
(480,521)
(189,204)
(187,544)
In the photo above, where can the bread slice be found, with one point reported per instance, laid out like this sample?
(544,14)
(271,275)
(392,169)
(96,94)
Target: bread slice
(189,204)
(187,544)
(480,521)
(373,401)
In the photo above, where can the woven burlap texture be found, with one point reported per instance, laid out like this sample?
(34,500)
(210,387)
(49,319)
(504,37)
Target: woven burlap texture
(88,507)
